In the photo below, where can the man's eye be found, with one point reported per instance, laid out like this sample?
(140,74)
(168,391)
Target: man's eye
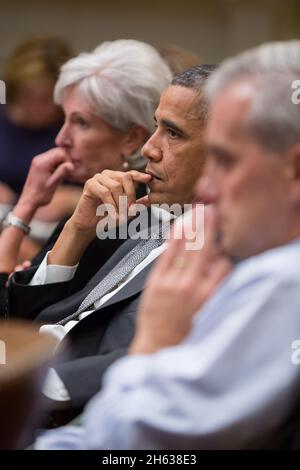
(173,134)
(225,162)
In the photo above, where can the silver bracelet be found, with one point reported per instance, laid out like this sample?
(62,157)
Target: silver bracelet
(12,220)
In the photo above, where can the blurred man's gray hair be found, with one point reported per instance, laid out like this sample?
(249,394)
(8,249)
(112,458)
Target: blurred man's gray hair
(272,69)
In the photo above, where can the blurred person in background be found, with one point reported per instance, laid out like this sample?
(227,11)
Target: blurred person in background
(178,58)
(29,123)
(30,120)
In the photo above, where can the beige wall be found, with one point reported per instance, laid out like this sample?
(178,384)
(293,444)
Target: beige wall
(213,28)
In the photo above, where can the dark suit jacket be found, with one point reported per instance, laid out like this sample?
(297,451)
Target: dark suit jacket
(97,340)
(95,256)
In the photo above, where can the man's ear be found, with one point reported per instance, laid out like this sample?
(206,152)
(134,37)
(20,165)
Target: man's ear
(294,173)
(134,139)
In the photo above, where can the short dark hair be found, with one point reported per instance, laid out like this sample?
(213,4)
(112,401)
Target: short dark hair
(195,78)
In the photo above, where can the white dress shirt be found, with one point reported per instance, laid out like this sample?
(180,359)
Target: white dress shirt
(230,384)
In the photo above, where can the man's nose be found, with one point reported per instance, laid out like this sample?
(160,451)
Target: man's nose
(152,149)
(207,188)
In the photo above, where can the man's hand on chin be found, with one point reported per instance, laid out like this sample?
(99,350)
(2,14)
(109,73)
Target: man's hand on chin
(178,286)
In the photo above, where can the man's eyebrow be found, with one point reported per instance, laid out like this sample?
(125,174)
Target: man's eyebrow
(218,151)
(171,125)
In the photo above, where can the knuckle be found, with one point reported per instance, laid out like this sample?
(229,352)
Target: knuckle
(106,172)
(127,178)
(130,174)
(164,287)
(36,161)
(186,289)
(104,191)
(88,184)
(116,185)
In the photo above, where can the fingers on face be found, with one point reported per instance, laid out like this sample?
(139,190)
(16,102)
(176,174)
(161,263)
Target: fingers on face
(174,250)
(129,189)
(120,184)
(218,272)
(113,187)
(96,190)
(138,176)
(56,156)
(59,174)
(181,260)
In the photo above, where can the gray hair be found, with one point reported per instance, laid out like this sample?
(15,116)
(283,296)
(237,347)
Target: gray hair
(273,119)
(122,81)
(195,78)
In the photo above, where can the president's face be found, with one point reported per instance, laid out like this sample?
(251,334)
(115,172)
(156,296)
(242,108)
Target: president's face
(248,185)
(175,151)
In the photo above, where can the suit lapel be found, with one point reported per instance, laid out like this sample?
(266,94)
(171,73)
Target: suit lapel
(59,310)
(132,288)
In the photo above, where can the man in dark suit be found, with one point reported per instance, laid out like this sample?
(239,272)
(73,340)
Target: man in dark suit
(102,332)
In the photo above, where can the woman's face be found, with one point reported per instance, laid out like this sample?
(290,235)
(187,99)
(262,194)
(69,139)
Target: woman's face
(91,144)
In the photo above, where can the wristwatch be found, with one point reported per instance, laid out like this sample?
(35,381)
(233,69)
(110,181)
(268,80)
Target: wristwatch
(11,219)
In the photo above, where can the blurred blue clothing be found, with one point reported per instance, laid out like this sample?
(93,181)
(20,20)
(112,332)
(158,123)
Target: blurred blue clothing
(18,145)
(232,383)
